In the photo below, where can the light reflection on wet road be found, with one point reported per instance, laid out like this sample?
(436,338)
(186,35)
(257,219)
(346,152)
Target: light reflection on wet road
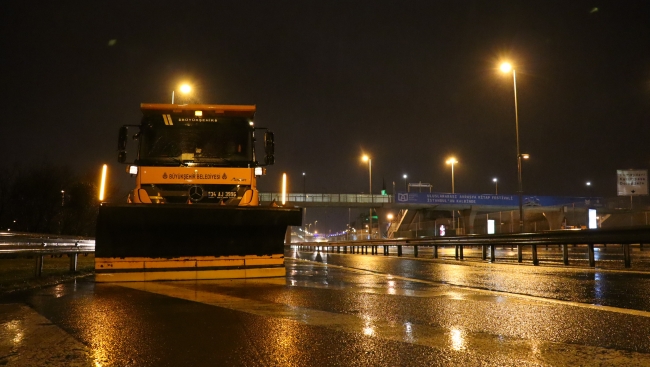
(347,310)
(608,287)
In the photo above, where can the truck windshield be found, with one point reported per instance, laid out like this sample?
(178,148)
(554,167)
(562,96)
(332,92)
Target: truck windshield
(226,142)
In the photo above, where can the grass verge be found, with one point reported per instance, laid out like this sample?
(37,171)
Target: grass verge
(18,273)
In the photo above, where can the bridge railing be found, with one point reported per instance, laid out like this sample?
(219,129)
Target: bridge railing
(326,198)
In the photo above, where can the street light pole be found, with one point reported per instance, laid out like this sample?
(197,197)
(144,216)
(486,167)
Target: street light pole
(496,186)
(405,185)
(304,197)
(452,161)
(367,158)
(521,189)
(453,190)
(506,67)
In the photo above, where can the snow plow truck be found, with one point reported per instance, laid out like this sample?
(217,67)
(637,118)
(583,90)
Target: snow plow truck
(194,212)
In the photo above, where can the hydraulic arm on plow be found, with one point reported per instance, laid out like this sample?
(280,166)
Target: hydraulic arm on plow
(194,211)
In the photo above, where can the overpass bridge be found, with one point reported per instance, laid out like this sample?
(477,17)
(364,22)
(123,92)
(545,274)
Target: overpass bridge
(417,214)
(329,200)
(441,201)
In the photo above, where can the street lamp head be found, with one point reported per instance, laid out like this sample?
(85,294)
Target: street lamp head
(505,67)
(588,183)
(303,173)
(525,156)
(451,160)
(494,179)
(365,158)
(405,176)
(185,88)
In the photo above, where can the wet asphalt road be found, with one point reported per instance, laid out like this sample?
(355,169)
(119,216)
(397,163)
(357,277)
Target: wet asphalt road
(608,287)
(340,310)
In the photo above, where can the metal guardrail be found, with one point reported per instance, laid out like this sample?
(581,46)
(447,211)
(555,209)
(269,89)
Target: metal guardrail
(23,245)
(624,237)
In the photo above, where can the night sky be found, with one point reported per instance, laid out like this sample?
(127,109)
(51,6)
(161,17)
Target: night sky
(407,82)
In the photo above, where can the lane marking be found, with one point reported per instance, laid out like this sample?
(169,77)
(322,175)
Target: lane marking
(476,347)
(488,291)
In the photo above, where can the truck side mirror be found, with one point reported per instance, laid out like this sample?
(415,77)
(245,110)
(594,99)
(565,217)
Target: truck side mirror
(121,144)
(269,147)
(121,139)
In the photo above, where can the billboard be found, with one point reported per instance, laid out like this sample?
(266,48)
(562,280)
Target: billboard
(632,182)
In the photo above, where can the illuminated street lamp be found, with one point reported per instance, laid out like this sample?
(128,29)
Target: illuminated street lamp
(452,161)
(405,185)
(496,186)
(589,189)
(506,68)
(185,89)
(366,158)
(390,217)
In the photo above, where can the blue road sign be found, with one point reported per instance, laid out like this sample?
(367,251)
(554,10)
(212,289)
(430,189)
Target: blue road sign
(493,200)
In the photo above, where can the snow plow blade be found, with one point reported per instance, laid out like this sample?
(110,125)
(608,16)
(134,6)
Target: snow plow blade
(147,242)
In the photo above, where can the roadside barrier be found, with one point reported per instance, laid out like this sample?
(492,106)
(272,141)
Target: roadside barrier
(624,237)
(48,247)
